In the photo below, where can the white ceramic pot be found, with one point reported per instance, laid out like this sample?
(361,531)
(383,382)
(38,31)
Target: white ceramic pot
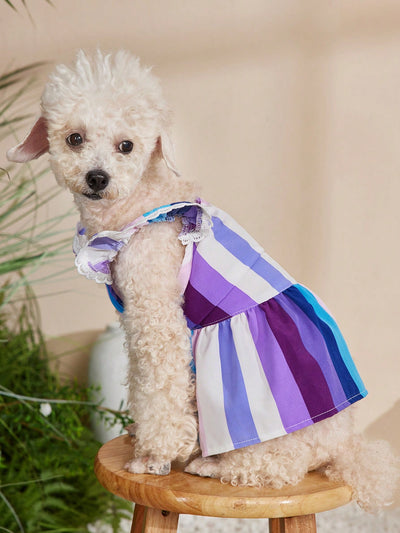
(108,366)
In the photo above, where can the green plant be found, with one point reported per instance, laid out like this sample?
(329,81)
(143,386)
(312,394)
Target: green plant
(46,449)
(23,2)
(26,242)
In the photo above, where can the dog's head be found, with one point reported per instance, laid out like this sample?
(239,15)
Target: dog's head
(102,121)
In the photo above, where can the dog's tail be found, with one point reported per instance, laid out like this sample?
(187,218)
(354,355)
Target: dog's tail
(370,468)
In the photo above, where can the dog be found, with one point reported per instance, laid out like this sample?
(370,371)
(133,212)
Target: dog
(234,368)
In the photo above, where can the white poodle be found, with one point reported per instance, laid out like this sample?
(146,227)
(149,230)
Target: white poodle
(227,353)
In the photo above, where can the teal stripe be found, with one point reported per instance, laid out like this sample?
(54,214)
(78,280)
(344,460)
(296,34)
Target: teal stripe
(344,350)
(163,207)
(146,215)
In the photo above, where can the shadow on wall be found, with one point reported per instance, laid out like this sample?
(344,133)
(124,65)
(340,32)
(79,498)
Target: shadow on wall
(387,427)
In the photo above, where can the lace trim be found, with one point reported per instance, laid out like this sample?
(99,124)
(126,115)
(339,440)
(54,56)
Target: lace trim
(198,231)
(94,262)
(98,277)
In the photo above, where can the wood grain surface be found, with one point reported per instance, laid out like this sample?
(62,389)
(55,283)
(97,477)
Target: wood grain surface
(184,493)
(295,524)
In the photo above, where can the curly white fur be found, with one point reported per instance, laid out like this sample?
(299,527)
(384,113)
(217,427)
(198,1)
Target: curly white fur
(106,100)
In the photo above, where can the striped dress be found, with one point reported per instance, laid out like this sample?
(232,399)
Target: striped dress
(269,358)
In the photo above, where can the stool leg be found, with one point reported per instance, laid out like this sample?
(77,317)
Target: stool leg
(139,518)
(293,524)
(149,520)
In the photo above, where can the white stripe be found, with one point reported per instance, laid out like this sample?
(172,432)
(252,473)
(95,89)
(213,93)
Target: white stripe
(262,404)
(210,394)
(237,228)
(234,271)
(186,267)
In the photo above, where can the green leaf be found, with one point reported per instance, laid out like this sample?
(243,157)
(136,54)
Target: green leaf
(13,512)
(10,4)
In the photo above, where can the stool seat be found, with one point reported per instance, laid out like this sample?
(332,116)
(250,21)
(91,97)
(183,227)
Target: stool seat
(182,493)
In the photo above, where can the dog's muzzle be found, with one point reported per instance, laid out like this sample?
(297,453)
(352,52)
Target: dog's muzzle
(97,180)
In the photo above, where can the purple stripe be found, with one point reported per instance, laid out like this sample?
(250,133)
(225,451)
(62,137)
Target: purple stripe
(315,344)
(243,251)
(103,266)
(338,350)
(199,311)
(82,231)
(106,243)
(216,289)
(303,366)
(285,391)
(237,409)
(192,214)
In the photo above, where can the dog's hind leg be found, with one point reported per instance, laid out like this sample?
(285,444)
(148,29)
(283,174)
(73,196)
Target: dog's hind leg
(205,467)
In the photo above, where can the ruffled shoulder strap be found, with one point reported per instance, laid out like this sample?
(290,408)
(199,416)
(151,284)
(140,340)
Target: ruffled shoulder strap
(94,255)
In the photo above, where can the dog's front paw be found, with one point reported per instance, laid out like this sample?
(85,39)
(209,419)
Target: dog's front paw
(159,468)
(148,465)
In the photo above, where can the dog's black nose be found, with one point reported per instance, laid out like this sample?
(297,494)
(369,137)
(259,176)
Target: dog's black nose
(97,180)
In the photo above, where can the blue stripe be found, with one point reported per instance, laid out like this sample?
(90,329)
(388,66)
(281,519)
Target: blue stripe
(192,363)
(237,409)
(185,206)
(242,250)
(115,299)
(106,243)
(148,213)
(351,382)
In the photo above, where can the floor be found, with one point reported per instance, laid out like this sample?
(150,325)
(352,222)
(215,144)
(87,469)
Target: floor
(348,519)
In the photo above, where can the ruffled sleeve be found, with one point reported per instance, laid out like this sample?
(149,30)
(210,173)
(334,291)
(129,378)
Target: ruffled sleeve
(95,255)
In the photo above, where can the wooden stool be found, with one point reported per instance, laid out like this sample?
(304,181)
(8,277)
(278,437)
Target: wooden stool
(160,499)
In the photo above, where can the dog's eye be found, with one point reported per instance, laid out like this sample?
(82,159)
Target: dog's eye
(125,147)
(75,139)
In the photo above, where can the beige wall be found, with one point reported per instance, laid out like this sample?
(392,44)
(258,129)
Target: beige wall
(288,113)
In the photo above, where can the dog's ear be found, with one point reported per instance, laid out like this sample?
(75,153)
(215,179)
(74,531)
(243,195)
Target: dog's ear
(167,152)
(33,146)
